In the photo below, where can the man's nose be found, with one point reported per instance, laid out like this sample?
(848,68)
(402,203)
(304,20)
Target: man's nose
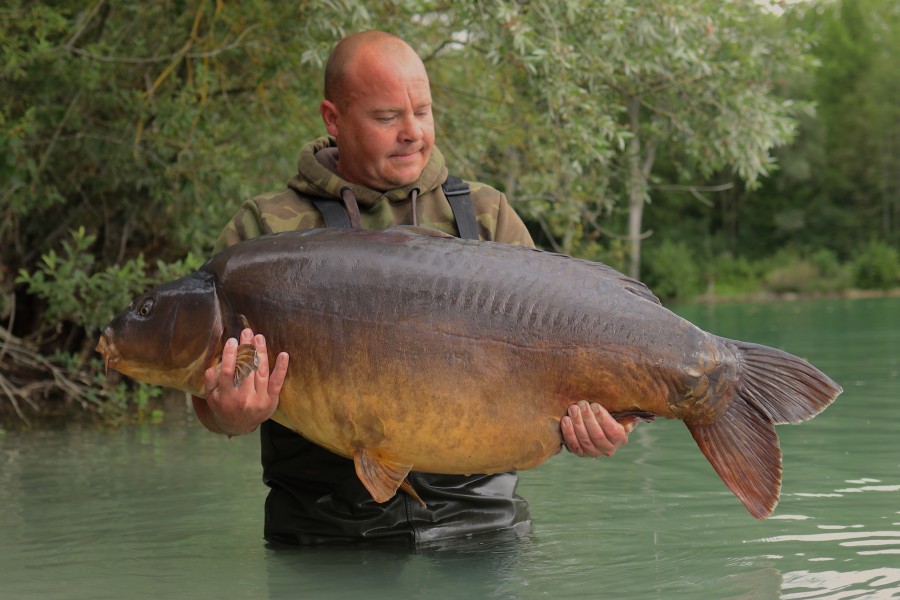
(411,129)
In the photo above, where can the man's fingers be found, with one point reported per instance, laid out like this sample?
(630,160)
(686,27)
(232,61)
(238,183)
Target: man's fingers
(579,441)
(592,415)
(629,423)
(211,378)
(276,380)
(269,383)
(262,356)
(229,357)
(589,430)
(614,434)
(591,435)
(240,410)
(569,437)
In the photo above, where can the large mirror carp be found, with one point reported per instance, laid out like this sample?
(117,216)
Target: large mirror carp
(413,350)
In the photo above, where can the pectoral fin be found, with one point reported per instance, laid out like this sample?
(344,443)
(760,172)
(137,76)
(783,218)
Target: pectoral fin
(381,475)
(245,363)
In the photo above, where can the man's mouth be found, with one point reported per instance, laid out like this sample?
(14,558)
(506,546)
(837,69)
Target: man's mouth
(406,155)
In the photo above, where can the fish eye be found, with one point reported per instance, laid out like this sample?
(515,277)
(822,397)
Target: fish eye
(145,307)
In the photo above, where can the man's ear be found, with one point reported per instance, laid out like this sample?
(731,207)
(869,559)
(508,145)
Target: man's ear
(330,116)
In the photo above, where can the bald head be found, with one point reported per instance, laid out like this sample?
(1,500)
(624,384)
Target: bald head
(377,107)
(354,51)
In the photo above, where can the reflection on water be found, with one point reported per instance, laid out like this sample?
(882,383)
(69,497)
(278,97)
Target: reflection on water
(834,543)
(171,511)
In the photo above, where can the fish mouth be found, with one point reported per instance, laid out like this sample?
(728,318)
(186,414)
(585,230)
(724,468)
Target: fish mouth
(108,351)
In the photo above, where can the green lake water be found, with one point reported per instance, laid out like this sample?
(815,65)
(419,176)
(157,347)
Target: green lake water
(170,511)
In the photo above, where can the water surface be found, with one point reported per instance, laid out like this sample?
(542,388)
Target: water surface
(171,511)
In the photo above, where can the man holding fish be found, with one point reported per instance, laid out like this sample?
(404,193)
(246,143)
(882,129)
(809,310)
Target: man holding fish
(380,167)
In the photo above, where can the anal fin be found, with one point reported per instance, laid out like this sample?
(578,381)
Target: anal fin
(742,447)
(407,487)
(382,476)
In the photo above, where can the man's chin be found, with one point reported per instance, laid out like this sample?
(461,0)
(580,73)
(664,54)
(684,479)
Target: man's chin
(402,177)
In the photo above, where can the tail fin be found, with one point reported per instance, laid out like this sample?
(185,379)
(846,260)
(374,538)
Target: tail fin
(775,387)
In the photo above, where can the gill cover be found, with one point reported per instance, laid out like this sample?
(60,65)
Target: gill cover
(167,335)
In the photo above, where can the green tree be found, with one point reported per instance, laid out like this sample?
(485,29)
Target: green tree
(619,83)
(840,181)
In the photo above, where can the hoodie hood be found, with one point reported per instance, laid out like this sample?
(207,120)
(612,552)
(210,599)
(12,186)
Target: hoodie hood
(316,176)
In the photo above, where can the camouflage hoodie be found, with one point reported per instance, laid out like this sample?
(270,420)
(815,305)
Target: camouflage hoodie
(292,208)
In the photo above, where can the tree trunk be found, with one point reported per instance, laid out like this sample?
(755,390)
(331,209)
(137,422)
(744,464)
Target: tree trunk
(637,186)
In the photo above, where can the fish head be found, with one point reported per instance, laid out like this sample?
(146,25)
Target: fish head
(167,336)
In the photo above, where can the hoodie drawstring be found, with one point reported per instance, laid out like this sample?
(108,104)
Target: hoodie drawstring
(413,194)
(351,206)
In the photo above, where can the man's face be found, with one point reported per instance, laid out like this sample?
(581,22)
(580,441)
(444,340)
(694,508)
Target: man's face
(383,124)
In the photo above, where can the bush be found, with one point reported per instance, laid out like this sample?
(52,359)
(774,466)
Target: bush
(827,262)
(820,271)
(671,271)
(733,276)
(798,275)
(76,291)
(877,266)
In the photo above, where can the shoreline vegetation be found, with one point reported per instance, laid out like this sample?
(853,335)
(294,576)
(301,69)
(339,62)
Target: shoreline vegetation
(769,296)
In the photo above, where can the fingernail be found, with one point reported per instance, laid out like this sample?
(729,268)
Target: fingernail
(573,411)
(596,408)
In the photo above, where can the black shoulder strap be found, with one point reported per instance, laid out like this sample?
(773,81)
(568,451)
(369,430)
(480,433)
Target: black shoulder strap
(459,196)
(456,190)
(333,212)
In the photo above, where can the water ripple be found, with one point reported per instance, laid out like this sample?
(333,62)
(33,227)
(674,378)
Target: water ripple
(870,584)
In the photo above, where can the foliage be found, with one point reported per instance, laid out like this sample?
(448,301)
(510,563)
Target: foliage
(840,181)
(792,271)
(74,292)
(691,81)
(672,271)
(730,275)
(876,266)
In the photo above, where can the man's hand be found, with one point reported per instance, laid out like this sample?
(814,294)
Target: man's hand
(589,430)
(236,411)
